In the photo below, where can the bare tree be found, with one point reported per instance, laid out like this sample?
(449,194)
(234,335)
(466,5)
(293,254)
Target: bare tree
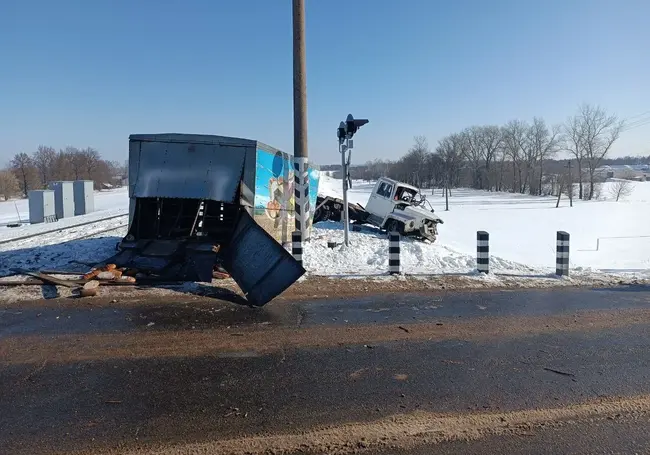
(9,186)
(62,168)
(491,139)
(514,140)
(621,188)
(544,145)
(74,162)
(104,172)
(91,160)
(573,143)
(451,150)
(415,160)
(529,154)
(599,132)
(473,152)
(44,160)
(25,171)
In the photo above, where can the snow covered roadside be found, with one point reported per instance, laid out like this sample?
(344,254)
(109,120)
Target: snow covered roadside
(522,244)
(367,254)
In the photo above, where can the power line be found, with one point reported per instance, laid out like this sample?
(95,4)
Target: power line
(636,122)
(635,125)
(637,115)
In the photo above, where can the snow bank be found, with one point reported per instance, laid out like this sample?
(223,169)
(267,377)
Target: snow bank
(523,228)
(368,255)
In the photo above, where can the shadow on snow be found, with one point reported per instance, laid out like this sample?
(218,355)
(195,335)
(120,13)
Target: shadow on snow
(78,256)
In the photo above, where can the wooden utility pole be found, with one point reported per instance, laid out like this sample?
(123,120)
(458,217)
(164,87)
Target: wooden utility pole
(299,81)
(300,152)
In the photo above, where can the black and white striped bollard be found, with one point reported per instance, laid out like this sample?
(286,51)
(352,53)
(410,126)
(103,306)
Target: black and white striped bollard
(301,195)
(393,253)
(562,254)
(483,251)
(296,246)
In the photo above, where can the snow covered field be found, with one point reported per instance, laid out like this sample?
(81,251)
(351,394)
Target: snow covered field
(522,237)
(522,232)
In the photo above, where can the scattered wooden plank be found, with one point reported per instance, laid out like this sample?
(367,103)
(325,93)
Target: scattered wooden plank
(50,279)
(62,272)
(27,282)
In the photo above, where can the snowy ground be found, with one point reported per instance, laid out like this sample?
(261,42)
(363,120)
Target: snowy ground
(522,239)
(57,250)
(522,232)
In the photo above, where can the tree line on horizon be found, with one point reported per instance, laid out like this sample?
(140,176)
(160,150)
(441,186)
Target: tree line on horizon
(518,157)
(27,172)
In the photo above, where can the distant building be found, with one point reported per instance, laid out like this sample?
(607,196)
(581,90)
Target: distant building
(624,171)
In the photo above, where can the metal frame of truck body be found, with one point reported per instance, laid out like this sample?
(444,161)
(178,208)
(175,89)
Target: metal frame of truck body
(189,192)
(260,163)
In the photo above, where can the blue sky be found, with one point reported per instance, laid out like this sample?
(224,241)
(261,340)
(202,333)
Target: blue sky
(89,73)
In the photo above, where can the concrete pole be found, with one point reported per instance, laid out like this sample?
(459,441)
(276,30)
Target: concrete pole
(300,152)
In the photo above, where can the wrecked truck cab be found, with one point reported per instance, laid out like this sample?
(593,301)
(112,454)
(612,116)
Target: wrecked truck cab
(201,200)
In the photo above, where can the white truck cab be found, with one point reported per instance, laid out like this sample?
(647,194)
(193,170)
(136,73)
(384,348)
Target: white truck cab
(396,206)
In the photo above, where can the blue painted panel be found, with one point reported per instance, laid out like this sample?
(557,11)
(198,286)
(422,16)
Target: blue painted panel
(274,187)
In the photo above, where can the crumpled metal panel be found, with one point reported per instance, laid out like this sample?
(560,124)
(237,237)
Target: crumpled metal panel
(262,268)
(186,170)
(169,259)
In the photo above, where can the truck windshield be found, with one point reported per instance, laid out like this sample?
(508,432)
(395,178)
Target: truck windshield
(405,194)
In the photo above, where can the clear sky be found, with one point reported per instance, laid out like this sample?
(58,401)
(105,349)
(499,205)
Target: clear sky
(91,72)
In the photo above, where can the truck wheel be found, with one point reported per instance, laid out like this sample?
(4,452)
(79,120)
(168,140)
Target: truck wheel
(320,215)
(394,226)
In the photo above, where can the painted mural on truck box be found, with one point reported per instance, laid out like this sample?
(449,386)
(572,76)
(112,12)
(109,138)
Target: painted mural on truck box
(274,194)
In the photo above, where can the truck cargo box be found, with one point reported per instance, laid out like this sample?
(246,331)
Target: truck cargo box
(193,194)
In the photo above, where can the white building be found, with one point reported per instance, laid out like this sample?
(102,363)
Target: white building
(624,171)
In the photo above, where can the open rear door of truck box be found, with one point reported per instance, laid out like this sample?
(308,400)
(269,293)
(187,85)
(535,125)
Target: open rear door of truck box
(262,268)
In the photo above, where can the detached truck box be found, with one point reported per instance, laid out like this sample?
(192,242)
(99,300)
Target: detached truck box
(191,195)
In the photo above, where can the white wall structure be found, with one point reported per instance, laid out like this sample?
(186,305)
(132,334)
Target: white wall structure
(84,197)
(41,205)
(63,199)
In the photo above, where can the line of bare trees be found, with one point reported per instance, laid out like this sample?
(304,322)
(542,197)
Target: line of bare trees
(517,157)
(29,172)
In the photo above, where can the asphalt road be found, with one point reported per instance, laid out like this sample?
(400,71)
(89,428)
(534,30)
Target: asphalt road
(531,371)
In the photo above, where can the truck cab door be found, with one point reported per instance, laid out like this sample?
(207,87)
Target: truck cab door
(375,201)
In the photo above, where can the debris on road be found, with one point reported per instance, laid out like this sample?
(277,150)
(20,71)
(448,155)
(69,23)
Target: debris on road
(89,289)
(403,328)
(47,278)
(563,373)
